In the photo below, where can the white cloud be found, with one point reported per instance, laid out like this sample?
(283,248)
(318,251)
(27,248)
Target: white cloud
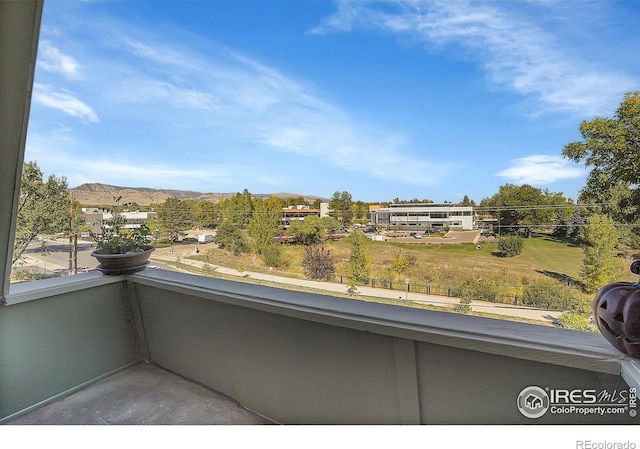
(51,59)
(515,52)
(540,170)
(64,101)
(248,100)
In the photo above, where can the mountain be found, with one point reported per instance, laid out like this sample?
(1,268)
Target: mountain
(96,194)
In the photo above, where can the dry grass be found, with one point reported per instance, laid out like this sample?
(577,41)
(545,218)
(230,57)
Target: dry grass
(544,259)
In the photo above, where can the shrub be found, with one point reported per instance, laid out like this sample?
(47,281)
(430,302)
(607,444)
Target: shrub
(510,245)
(577,321)
(318,263)
(552,295)
(273,255)
(464,305)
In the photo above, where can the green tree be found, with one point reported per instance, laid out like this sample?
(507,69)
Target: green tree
(264,223)
(231,237)
(238,209)
(360,259)
(43,207)
(309,231)
(520,208)
(466,202)
(600,265)
(206,214)
(340,206)
(360,212)
(173,217)
(294,201)
(611,147)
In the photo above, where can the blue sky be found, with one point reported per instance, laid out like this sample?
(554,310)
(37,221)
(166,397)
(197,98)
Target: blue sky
(416,99)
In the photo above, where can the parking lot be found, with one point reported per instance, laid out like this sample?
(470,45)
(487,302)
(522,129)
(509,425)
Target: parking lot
(450,237)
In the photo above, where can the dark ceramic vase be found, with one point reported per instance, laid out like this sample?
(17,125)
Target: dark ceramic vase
(113,264)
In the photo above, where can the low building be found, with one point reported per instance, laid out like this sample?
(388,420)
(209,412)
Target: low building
(94,217)
(302,211)
(423,216)
(299,213)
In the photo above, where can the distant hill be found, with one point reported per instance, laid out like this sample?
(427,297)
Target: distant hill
(94,194)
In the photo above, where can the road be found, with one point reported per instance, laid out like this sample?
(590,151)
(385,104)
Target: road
(52,256)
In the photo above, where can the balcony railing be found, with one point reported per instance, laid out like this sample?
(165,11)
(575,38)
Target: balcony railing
(295,357)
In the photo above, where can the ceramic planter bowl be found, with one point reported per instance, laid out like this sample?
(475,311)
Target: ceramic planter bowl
(113,264)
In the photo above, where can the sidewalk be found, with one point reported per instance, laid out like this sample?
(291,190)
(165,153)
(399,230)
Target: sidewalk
(548,316)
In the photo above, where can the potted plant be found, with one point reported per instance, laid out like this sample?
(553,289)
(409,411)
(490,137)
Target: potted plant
(121,249)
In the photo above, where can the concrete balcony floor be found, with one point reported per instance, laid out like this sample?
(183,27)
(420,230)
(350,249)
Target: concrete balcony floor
(143,394)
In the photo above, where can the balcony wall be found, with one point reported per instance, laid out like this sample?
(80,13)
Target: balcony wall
(58,335)
(292,357)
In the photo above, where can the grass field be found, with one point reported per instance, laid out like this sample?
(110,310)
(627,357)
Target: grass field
(545,260)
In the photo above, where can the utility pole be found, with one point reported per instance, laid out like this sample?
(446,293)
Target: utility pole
(73,240)
(70,233)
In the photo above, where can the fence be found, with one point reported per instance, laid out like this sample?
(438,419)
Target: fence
(455,291)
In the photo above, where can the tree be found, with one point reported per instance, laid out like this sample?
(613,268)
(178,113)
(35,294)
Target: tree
(611,147)
(340,205)
(520,208)
(466,202)
(309,231)
(402,262)
(294,201)
(231,237)
(43,207)
(206,214)
(174,217)
(318,262)
(360,212)
(238,209)
(360,259)
(264,222)
(600,265)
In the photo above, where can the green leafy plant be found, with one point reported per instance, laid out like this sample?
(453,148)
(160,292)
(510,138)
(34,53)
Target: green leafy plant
(116,238)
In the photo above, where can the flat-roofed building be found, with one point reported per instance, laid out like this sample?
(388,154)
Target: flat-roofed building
(422,216)
(94,217)
(299,213)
